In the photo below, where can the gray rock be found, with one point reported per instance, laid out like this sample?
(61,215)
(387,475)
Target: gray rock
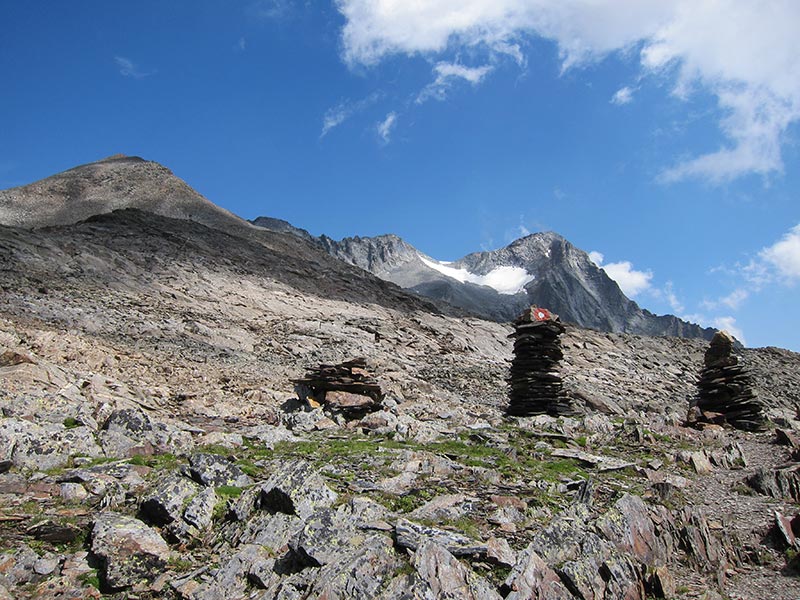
(17,568)
(132,422)
(444,508)
(46,565)
(269,435)
(215,471)
(331,535)
(131,552)
(231,579)
(295,489)
(531,577)
(778,483)
(629,527)
(270,530)
(359,574)
(696,539)
(499,552)
(44,446)
(446,578)
(165,503)
(412,535)
(583,573)
(199,512)
(561,540)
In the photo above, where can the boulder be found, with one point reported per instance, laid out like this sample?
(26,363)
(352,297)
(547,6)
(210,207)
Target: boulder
(215,471)
(445,578)
(412,535)
(295,489)
(532,578)
(131,552)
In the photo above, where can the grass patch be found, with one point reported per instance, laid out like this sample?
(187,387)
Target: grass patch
(71,423)
(155,461)
(90,578)
(225,493)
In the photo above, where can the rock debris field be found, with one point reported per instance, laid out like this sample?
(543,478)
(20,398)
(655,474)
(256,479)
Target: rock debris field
(153,444)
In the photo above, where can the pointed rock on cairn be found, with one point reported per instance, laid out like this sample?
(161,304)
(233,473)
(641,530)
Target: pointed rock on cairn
(725,392)
(348,388)
(534,382)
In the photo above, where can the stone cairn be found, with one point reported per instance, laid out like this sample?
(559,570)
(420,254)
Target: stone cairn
(534,382)
(725,392)
(348,388)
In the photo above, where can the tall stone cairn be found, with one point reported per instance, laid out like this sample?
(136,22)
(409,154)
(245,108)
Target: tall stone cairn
(534,382)
(725,391)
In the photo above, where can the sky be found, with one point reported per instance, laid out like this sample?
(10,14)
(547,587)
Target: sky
(661,136)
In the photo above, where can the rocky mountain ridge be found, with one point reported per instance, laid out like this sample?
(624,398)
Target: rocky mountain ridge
(561,277)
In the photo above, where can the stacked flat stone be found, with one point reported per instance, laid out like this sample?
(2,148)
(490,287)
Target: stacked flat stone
(535,385)
(725,391)
(348,387)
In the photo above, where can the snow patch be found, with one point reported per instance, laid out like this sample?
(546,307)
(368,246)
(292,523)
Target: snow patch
(504,280)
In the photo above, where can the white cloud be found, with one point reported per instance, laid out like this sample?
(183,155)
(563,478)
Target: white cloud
(743,53)
(127,68)
(629,280)
(446,75)
(344,110)
(622,96)
(505,280)
(386,126)
(784,256)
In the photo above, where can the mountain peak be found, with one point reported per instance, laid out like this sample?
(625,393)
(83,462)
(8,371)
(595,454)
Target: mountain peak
(112,183)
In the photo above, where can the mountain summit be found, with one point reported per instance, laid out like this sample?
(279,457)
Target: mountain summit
(542,269)
(114,183)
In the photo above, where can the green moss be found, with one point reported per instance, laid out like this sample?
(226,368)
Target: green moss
(180,564)
(228,491)
(90,578)
(218,449)
(71,423)
(155,461)
(249,468)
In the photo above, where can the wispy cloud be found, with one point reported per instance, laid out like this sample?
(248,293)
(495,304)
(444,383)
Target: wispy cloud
(745,54)
(622,96)
(672,299)
(732,301)
(127,68)
(270,9)
(241,45)
(386,127)
(446,75)
(338,114)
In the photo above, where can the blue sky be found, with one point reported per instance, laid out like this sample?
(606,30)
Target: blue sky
(661,136)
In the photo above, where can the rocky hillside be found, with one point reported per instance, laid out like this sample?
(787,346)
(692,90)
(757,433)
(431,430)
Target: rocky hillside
(153,444)
(541,269)
(115,183)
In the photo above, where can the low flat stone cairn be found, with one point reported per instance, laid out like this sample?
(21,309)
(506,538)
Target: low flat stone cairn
(348,387)
(535,385)
(725,392)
